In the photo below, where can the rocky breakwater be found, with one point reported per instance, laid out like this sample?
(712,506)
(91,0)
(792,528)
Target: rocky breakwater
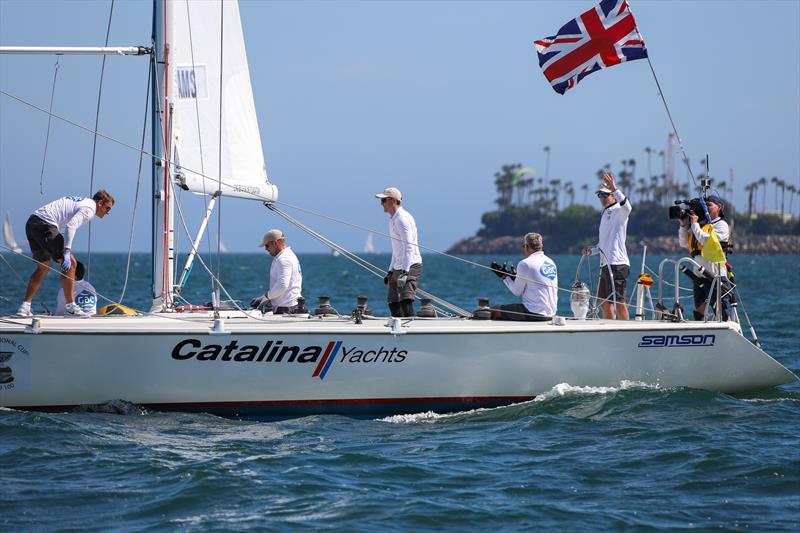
(665,244)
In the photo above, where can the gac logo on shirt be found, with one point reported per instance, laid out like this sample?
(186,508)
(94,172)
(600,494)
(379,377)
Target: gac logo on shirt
(548,270)
(86,301)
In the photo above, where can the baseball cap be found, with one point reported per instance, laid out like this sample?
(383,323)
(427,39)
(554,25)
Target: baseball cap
(271,235)
(604,189)
(391,192)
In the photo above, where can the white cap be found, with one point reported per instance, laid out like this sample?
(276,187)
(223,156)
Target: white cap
(270,236)
(391,192)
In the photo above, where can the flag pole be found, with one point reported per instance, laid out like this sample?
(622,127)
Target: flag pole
(669,113)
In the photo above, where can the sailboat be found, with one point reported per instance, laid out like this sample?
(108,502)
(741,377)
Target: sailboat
(8,236)
(240,363)
(369,247)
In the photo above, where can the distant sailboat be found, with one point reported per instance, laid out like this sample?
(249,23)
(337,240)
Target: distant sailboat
(8,236)
(369,248)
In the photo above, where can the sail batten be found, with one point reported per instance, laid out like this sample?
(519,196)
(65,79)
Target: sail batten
(205,41)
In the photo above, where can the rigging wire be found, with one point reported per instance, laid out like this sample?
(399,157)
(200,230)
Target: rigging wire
(49,120)
(94,142)
(669,113)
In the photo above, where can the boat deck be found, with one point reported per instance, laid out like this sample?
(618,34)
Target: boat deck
(235,322)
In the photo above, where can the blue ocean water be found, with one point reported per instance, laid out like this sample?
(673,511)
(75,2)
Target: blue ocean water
(585,459)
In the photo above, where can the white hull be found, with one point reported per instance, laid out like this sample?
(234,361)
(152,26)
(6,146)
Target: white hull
(175,363)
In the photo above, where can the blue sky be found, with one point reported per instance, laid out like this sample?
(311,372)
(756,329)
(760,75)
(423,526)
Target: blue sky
(430,97)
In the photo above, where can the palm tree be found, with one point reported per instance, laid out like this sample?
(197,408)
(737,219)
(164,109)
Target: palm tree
(763,182)
(547,162)
(750,188)
(585,189)
(642,190)
(649,152)
(782,185)
(792,189)
(569,190)
(775,181)
(554,184)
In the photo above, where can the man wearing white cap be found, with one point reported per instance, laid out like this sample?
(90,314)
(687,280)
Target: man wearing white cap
(285,276)
(614,260)
(406,266)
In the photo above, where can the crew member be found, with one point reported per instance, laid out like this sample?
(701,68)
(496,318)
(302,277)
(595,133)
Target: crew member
(85,294)
(42,230)
(536,280)
(285,276)
(406,266)
(694,236)
(614,260)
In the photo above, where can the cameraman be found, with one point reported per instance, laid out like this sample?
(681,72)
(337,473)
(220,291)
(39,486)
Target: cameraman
(694,236)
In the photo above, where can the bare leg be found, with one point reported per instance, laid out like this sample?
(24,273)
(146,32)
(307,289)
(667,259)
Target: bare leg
(607,309)
(68,281)
(622,312)
(36,280)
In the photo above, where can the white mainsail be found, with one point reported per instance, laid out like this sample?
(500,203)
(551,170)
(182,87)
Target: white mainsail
(8,236)
(196,57)
(369,248)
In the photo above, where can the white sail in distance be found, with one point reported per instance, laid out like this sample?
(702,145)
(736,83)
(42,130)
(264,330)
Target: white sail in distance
(196,57)
(8,236)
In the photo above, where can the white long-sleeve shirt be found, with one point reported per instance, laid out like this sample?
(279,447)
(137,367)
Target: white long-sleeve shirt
(613,232)
(723,233)
(537,283)
(285,279)
(68,214)
(403,231)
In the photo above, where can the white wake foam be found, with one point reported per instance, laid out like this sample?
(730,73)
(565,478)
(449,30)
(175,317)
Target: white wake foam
(562,389)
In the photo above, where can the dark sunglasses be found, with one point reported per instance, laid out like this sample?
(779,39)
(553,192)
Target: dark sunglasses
(384,200)
(603,195)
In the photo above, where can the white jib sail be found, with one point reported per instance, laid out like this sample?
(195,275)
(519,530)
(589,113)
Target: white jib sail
(8,236)
(195,61)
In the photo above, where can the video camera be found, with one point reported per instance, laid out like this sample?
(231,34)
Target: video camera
(683,207)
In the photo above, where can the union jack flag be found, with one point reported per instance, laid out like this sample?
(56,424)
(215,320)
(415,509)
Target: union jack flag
(605,35)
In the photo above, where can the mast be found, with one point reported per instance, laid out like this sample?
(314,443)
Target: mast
(163,203)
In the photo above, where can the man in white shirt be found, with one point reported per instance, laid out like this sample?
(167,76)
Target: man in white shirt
(42,229)
(285,276)
(85,294)
(611,247)
(406,266)
(694,236)
(536,280)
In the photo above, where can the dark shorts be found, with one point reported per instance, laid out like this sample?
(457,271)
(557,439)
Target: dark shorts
(44,239)
(409,290)
(703,287)
(620,283)
(520,313)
